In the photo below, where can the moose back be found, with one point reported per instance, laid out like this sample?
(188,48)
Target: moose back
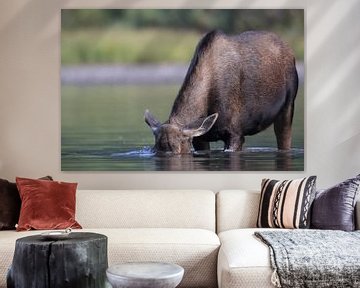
(235,86)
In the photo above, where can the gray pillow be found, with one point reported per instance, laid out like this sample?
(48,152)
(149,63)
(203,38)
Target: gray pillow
(334,208)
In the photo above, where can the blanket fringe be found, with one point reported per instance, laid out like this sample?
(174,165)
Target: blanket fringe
(275,280)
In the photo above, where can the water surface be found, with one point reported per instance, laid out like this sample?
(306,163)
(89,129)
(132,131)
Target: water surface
(103,129)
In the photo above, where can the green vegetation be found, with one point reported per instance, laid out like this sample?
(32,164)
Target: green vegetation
(144,36)
(125,45)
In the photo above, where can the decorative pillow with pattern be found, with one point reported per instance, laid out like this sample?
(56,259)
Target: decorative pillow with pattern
(286,204)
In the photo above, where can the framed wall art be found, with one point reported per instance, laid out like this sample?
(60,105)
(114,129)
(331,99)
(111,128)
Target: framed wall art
(182,90)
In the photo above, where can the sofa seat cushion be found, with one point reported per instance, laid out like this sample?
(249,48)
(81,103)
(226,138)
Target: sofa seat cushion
(244,261)
(196,250)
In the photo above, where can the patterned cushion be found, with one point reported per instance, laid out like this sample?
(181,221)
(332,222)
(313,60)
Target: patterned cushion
(286,204)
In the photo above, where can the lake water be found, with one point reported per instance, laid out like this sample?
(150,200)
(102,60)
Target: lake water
(103,129)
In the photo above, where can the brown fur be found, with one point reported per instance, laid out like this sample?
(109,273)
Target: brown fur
(248,81)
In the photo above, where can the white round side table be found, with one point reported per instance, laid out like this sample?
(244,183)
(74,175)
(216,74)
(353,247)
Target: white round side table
(145,275)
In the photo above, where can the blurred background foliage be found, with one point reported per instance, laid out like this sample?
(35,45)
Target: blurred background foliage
(110,36)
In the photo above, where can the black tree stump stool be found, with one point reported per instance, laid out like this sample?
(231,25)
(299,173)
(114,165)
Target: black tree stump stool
(79,261)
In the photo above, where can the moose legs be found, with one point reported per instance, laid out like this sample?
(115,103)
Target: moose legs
(234,142)
(282,127)
(283,121)
(200,144)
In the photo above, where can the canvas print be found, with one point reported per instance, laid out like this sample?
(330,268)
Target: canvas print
(182,90)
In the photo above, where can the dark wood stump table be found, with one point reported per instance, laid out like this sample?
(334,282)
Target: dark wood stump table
(78,261)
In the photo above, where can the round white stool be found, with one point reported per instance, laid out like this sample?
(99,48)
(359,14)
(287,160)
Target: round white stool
(145,275)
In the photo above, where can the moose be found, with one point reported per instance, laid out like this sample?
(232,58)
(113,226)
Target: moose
(235,86)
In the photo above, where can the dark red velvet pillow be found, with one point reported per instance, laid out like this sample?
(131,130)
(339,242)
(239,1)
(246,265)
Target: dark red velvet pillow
(46,204)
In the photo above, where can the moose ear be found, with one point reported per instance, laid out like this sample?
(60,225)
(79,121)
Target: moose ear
(205,126)
(151,121)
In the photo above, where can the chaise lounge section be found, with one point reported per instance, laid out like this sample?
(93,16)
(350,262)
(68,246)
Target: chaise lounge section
(244,260)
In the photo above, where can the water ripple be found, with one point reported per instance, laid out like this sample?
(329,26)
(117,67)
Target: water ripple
(144,152)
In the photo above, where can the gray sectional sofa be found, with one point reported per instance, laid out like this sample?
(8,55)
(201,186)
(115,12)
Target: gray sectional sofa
(209,234)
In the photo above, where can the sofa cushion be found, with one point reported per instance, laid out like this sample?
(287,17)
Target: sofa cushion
(236,209)
(153,209)
(46,204)
(286,204)
(244,260)
(334,208)
(196,250)
(10,204)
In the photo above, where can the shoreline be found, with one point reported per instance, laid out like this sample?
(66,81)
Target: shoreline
(147,74)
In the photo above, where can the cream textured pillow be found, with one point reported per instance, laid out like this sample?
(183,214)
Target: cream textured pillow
(286,204)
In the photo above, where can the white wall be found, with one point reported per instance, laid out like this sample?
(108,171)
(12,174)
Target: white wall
(30,95)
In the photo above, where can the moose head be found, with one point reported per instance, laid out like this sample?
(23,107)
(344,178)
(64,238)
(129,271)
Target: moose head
(176,138)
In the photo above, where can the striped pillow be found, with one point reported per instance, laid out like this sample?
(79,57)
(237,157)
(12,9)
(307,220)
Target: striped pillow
(286,204)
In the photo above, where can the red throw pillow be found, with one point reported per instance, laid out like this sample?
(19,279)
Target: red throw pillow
(46,204)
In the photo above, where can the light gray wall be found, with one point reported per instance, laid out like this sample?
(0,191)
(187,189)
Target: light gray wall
(30,95)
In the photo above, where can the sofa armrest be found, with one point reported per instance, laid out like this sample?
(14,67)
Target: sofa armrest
(357,215)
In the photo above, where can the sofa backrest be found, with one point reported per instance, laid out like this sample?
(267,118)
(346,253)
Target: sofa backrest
(236,209)
(146,209)
(239,209)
